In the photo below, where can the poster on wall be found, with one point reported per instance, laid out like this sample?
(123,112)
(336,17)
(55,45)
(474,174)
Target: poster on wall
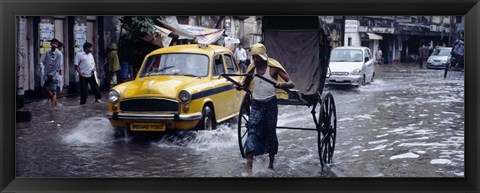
(46,34)
(80,36)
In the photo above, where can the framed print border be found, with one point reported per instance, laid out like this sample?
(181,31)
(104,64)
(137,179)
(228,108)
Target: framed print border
(10,9)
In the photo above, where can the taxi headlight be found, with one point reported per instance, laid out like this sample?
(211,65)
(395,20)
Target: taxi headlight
(356,72)
(184,97)
(114,96)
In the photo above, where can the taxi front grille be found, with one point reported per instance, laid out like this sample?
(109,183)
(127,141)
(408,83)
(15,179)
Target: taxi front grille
(149,105)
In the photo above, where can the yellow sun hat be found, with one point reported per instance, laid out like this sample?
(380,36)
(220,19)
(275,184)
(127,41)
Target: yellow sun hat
(259,49)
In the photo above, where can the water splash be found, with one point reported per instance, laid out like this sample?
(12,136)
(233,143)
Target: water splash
(224,137)
(94,130)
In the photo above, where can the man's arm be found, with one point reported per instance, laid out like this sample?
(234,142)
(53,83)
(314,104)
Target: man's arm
(288,82)
(246,83)
(76,62)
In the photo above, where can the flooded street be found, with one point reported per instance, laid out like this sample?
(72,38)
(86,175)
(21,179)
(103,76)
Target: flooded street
(409,122)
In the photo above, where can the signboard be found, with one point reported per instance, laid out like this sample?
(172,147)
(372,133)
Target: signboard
(46,34)
(351,26)
(79,33)
(80,36)
(381,30)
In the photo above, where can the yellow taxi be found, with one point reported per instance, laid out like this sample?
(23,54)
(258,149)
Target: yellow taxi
(178,88)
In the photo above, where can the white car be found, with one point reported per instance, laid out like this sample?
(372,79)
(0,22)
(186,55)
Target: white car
(351,66)
(440,58)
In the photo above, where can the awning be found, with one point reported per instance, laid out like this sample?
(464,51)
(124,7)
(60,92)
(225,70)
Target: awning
(202,35)
(373,36)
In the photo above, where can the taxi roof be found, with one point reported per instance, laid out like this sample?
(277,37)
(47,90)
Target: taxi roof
(191,48)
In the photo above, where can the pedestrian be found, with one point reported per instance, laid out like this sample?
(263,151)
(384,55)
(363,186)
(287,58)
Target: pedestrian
(423,54)
(60,77)
(112,66)
(241,55)
(458,51)
(52,61)
(262,125)
(379,56)
(85,66)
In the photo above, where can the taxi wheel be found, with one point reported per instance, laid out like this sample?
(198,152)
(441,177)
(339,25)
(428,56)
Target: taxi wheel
(208,120)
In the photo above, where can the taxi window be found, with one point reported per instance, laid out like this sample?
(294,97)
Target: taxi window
(231,67)
(218,67)
(185,64)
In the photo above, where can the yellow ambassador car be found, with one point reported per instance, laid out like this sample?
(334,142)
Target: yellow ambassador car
(178,87)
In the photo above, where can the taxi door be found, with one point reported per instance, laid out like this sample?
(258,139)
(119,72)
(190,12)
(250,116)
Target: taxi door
(235,97)
(220,97)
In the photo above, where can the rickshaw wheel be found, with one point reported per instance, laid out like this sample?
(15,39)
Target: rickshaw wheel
(327,129)
(243,118)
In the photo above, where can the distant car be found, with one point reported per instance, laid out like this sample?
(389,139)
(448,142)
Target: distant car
(351,66)
(440,58)
(177,88)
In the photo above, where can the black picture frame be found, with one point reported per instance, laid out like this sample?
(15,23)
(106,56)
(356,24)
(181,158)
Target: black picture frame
(10,9)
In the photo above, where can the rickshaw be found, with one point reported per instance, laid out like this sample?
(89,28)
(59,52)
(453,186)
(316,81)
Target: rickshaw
(302,45)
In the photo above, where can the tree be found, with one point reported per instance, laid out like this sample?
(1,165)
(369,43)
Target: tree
(132,47)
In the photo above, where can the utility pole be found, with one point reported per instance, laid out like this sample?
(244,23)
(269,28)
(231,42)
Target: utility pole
(21,53)
(342,37)
(452,28)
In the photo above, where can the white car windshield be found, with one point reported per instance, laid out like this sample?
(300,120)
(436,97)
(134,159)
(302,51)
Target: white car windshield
(185,64)
(441,52)
(346,55)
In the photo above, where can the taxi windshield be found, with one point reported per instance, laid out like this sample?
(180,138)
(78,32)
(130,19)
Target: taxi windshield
(442,52)
(186,64)
(346,55)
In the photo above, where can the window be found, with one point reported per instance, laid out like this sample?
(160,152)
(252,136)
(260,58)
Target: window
(176,64)
(218,67)
(346,55)
(231,66)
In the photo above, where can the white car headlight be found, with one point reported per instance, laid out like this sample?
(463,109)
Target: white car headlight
(356,72)
(184,97)
(444,61)
(430,61)
(114,96)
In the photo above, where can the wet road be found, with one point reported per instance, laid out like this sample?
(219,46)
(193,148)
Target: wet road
(408,123)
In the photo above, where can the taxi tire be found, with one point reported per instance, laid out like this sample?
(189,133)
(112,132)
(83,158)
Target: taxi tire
(207,116)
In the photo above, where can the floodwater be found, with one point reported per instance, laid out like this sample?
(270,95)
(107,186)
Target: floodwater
(409,122)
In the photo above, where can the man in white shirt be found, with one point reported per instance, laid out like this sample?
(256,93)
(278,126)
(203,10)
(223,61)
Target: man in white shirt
(379,56)
(241,55)
(85,66)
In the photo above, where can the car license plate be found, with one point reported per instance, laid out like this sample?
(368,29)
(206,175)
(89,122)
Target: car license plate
(148,127)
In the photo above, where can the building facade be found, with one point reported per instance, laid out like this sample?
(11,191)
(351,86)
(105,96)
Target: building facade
(34,34)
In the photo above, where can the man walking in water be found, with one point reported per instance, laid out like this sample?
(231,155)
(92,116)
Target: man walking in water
(262,125)
(53,62)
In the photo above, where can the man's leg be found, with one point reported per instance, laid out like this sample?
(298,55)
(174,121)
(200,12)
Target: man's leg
(49,93)
(54,100)
(272,158)
(95,88)
(249,162)
(83,90)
